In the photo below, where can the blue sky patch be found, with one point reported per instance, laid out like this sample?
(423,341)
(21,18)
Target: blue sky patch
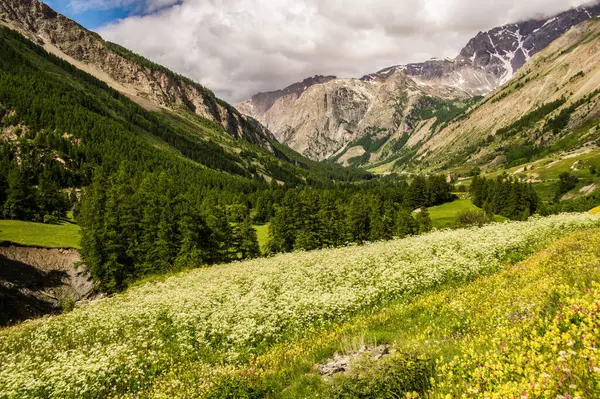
(90,19)
(93,18)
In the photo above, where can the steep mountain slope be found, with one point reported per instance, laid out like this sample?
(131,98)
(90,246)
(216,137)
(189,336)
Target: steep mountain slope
(56,117)
(326,118)
(552,104)
(149,84)
(186,119)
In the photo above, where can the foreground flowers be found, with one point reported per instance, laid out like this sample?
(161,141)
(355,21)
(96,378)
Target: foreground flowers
(218,318)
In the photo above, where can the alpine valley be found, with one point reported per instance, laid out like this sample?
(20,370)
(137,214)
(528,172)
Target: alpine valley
(430,231)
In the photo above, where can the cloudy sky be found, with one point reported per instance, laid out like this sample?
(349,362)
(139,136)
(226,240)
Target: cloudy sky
(240,47)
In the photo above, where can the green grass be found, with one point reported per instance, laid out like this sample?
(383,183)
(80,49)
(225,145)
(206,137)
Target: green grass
(444,216)
(262,233)
(63,235)
(546,172)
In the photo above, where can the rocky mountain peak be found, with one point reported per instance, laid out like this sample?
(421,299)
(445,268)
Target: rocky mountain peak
(498,53)
(503,50)
(262,102)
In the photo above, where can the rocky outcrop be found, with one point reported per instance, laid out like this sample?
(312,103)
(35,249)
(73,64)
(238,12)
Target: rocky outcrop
(343,363)
(325,117)
(151,85)
(314,117)
(262,102)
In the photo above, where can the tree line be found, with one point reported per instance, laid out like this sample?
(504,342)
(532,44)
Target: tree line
(309,219)
(135,224)
(33,184)
(504,196)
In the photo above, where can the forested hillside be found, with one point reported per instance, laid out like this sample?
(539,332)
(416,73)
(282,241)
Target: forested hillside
(59,124)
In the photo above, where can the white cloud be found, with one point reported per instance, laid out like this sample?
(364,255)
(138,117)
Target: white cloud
(240,47)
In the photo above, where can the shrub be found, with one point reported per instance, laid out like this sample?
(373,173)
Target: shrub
(469,218)
(566,183)
(50,219)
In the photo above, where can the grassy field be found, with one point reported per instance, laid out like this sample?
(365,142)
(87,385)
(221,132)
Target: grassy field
(544,173)
(262,232)
(595,211)
(248,329)
(63,235)
(444,216)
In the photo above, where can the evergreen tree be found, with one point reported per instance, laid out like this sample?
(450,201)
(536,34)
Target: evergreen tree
(193,237)
(477,191)
(20,198)
(376,223)
(566,182)
(417,195)
(91,220)
(357,220)
(424,221)
(50,201)
(248,247)
(488,211)
(405,224)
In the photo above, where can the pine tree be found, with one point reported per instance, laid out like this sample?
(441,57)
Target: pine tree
(249,247)
(49,199)
(20,198)
(477,191)
(405,224)
(417,195)
(193,235)
(424,221)
(488,211)
(378,229)
(309,235)
(357,220)
(91,220)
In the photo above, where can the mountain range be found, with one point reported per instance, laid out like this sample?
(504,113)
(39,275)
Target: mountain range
(424,116)
(328,118)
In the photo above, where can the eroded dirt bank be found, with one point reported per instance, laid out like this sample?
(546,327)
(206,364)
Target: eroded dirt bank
(39,281)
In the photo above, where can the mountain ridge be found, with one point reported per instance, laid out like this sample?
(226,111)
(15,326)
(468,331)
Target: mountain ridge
(150,85)
(488,60)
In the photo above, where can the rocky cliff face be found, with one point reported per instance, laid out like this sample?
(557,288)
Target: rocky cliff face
(320,120)
(151,85)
